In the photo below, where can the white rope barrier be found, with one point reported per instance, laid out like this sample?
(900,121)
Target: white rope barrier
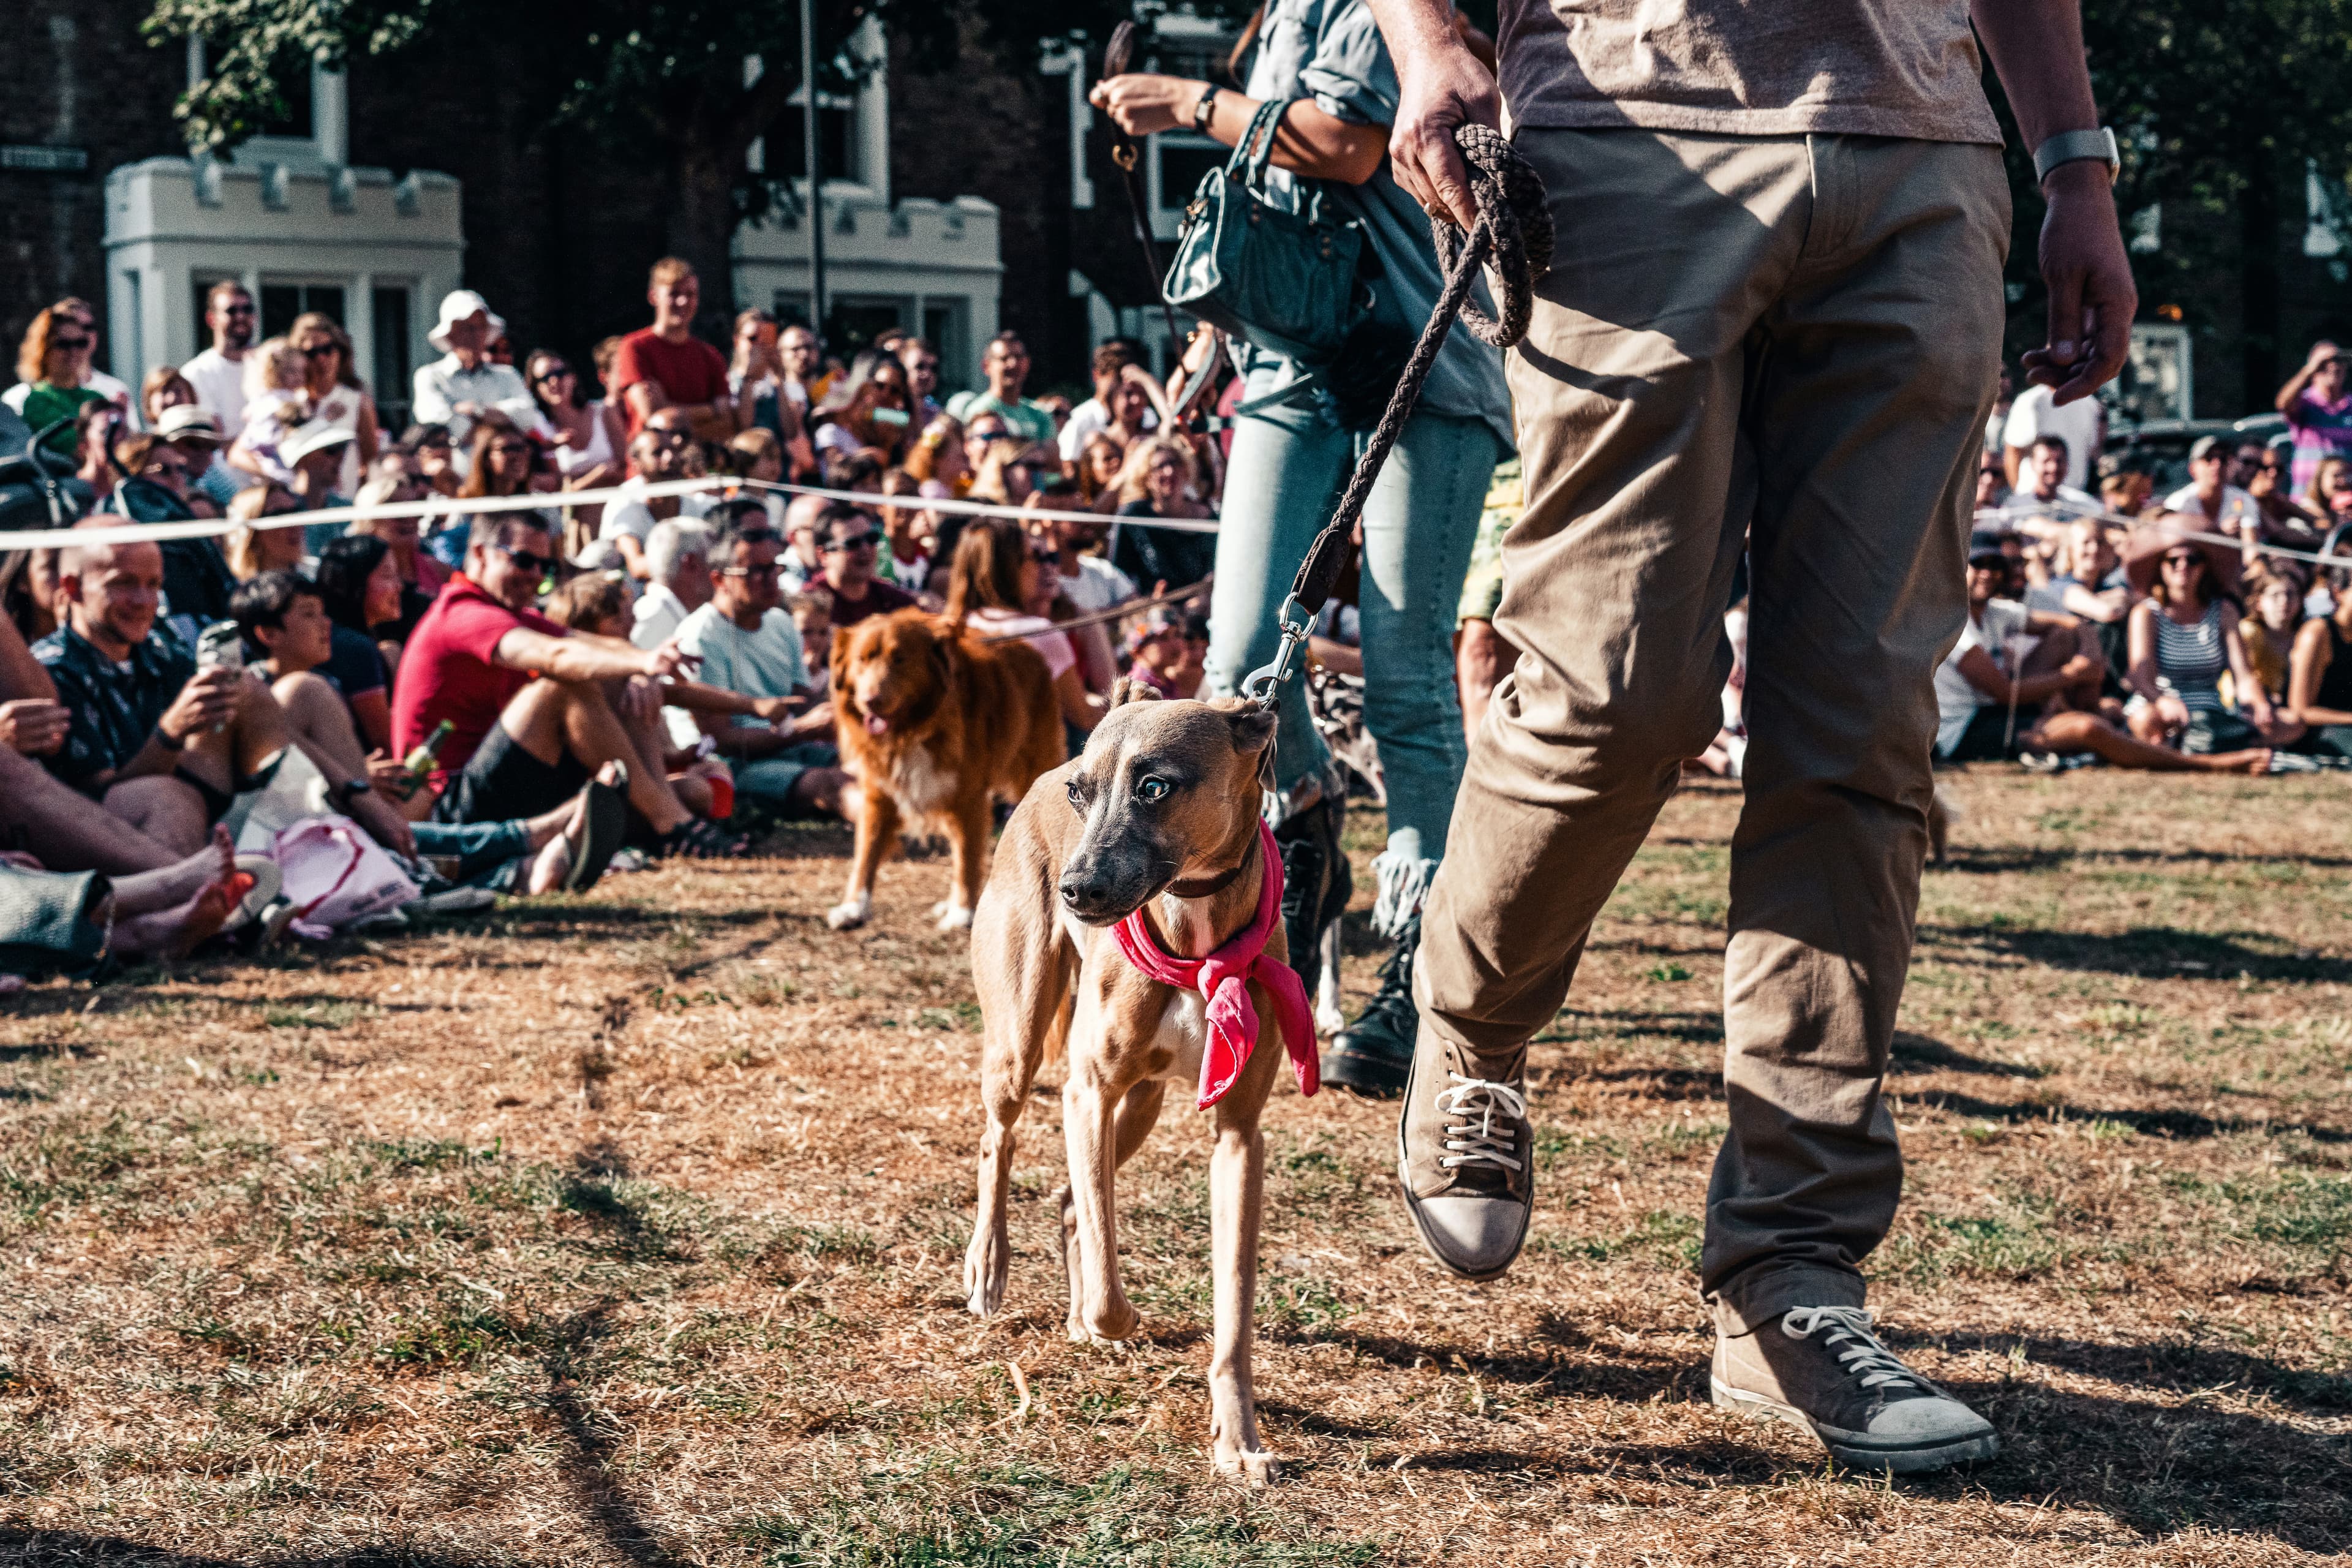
(554,501)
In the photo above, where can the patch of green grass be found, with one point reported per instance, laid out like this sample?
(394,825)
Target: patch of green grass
(944,1514)
(1666,974)
(1926,1248)
(1665,1235)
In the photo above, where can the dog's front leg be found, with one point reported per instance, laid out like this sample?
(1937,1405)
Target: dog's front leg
(878,830)
(1101,1309)
(1236,1189)
(968,847)
(1139,1113)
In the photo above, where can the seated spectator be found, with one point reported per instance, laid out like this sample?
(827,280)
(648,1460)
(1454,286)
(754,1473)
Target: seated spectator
(905,560)
(871,415)
(2041,488)
(996,573)
(465,384)
(850,541)
(756,454)
(1100,461)
(57,376)
(2329,499)
(211,483)
(2209,500)
(290,643)
(166,748)
(499,468)
(921,357)
(2184,638)
(434,451)
(251,549)
(1992,483)
(2319,683)
(803,558)
(658,455)
(1156,651)
(55,922)
(2274,591)
(678,558)
(98,426)
(859,471)
(530,720)
(1090,419)
(2285,521)
(598,603)
(1081,575)
(813,619)
(422,578)
(939,458)
(360,590)
(782,753)
(1157,483)
(2009,662)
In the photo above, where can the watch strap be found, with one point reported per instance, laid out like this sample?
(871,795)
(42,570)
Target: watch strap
(2076,146)
(1205,110)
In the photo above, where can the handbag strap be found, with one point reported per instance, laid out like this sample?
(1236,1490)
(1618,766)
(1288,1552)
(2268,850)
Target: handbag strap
(1256,149)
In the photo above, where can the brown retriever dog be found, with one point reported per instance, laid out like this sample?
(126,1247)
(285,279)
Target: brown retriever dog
(939,726)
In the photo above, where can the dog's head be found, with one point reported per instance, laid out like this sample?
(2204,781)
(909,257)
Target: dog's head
(1169,790)
(889,671)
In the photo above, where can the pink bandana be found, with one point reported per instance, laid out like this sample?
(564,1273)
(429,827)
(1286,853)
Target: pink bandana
(1223,978)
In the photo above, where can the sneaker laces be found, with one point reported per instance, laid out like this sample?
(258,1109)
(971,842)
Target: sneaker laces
(1485,1144)
(1850,1340)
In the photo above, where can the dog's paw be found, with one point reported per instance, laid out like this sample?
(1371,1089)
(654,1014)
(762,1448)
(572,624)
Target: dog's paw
(954,917)
(848,916)
(1108,1323)
(1255,1465)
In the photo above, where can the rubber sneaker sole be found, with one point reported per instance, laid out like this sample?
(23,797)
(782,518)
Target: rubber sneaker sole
(1431,1245)
(1857,1449)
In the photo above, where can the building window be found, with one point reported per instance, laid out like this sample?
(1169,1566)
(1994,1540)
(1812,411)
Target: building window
(281,302)
(388,332)
(315,127)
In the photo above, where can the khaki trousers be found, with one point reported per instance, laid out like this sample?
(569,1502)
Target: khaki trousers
(1788,342)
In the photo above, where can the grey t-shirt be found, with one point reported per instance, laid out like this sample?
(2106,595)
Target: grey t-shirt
(1331,51)
(1752,68)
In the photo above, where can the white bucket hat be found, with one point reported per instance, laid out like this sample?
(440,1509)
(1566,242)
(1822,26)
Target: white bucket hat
(455,306)
(314,437)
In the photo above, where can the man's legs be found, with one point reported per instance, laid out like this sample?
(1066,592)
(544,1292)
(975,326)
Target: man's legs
(69,831)
(1871,382)
(549,719)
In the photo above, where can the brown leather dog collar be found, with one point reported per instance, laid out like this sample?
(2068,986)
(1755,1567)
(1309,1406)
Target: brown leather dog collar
(1211,887)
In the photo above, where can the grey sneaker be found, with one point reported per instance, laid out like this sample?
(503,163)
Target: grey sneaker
(1465,1154)
(1820,1370)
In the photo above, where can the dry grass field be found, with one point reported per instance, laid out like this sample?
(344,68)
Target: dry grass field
(628,1231)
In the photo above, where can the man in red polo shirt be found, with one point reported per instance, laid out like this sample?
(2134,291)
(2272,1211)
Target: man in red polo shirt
(530,719)
(667,366)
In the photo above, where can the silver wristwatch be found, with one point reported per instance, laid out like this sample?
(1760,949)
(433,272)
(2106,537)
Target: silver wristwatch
(2076,146)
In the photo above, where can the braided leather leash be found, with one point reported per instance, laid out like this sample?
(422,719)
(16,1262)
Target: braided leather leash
(1514,227)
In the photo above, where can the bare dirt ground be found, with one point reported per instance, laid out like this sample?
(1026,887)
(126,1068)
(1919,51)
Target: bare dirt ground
(628,1231)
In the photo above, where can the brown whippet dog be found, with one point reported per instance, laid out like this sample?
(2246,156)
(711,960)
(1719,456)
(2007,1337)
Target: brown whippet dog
(1158,814)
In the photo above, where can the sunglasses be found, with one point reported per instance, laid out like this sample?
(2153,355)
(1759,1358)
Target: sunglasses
(68,343)
(555,372)
(322,351)
(2183,563)
(510,449)
(762,573)
(756,536)
(865,541)
(540,564)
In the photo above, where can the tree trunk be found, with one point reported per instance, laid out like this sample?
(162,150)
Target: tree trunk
(2258,261)
(702,227)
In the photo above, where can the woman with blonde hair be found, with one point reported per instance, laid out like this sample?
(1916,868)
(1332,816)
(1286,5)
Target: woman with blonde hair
(501,465)
(1157,483)
(992,582)
(250,549)
(338,397)
(2329,499)
(1101,462)
(938,457)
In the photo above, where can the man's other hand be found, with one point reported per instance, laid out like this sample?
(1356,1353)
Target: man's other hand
(34,726)
(2092,296)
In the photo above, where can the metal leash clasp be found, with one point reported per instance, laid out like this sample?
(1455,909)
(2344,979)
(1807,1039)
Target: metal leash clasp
(1294,622)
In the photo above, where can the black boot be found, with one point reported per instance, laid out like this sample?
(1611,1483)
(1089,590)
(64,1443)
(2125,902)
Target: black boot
(1373,1054)
(1314,871)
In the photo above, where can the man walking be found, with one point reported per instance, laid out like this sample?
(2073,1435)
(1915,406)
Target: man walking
(1775,318)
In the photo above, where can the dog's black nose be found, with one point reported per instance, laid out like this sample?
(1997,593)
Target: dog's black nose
(1080,893)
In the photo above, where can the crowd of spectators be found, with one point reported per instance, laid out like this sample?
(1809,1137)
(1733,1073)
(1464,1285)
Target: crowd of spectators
(468,686)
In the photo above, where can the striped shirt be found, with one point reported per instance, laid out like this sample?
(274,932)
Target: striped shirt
(2190,658)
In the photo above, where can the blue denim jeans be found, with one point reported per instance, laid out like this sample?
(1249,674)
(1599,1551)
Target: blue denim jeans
(485,851)
(1287,468)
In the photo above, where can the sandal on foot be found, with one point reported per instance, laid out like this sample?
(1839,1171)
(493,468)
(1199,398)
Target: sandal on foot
(605,824)
(695,839)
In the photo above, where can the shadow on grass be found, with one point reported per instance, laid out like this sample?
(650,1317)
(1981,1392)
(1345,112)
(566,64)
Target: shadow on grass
(2180,1124)
(587,1466)
(74,1549)
(1967,859)
(2154,953)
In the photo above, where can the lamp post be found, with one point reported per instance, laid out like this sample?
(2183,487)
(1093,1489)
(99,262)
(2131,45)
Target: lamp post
(815,166)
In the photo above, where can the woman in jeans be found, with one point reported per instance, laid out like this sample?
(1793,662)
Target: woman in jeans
(1288,465)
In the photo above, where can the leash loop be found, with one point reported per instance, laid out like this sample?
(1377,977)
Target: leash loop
(1513,228)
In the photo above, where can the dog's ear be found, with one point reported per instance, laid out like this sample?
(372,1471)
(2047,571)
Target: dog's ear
(1126,688)
(943,656)
(1251,726)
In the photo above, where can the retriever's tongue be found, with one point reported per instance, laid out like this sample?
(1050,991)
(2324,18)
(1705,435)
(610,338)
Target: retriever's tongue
(875,724)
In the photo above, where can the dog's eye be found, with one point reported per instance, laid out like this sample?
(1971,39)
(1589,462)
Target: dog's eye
(1078,794)
(1151,791)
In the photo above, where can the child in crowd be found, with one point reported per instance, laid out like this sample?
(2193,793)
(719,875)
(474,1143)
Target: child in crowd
(277,406)
(812,617)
